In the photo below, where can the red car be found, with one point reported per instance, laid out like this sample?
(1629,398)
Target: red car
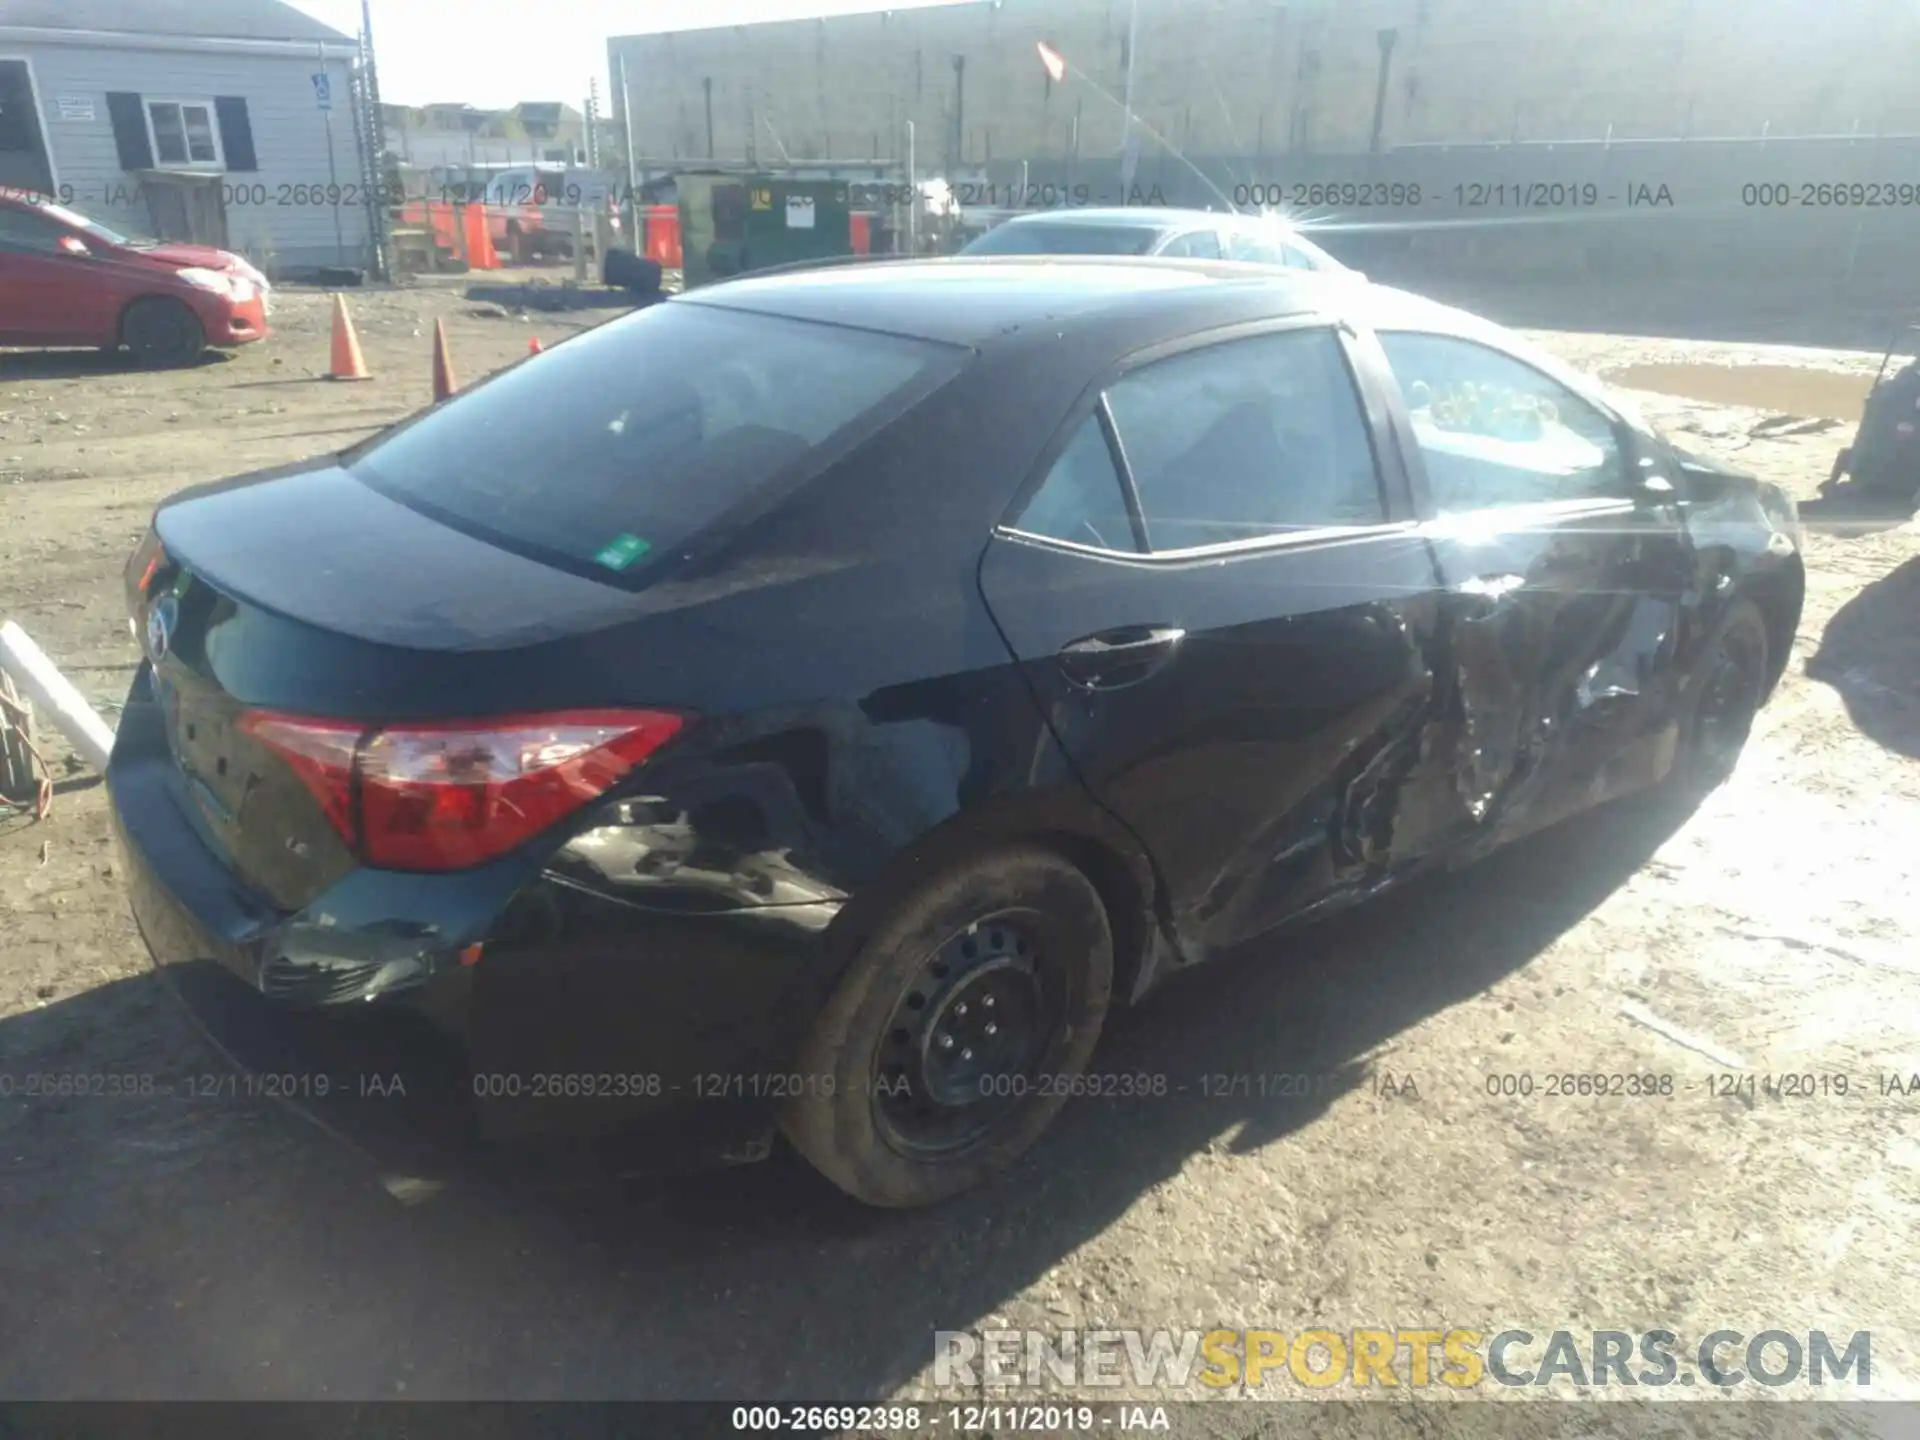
(67,280)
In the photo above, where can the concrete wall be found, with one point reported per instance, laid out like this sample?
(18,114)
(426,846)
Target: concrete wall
(1254,77)
(270,216)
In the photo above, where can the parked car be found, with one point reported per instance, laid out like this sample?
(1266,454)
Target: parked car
(530,208)
(66,280)
(814,700)
(1182,234)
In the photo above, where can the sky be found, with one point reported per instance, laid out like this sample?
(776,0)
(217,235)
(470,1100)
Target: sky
(497,52)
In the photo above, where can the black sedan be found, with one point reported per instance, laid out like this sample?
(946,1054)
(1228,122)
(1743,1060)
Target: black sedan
(806,706)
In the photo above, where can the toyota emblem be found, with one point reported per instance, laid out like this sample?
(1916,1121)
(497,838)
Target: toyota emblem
(160,622)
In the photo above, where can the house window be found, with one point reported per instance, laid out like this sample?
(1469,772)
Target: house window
(184,135)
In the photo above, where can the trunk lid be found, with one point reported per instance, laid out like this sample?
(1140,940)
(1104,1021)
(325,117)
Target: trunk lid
(247,804)
(310,594)
(314,544)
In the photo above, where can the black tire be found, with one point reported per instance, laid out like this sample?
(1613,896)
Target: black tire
(162,333)
(1022,927)
(1722,697)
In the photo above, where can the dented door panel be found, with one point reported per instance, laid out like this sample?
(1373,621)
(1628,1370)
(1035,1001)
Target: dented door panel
(1564,625)
(1262,763)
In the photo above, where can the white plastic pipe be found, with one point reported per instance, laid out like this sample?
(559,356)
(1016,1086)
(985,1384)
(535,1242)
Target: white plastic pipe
(54,697)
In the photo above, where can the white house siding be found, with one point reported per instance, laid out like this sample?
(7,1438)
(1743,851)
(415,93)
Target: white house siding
(289,141)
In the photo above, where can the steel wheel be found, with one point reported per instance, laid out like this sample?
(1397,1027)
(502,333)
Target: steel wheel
(965,1038)
(926,1064)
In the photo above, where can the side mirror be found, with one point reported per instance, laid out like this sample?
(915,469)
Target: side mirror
(74,245)
(1652,486)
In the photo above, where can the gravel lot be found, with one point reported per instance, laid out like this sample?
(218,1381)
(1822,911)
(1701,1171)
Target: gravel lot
(204,1248)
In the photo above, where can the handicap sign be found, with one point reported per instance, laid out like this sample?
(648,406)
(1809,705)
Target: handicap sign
(323,90)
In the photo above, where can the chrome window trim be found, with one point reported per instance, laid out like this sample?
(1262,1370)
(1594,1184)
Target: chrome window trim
(1228,549)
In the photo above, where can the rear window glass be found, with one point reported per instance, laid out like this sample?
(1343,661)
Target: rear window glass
(606,453)
(1043,239)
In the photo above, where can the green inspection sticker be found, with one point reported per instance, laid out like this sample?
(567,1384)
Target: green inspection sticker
(623,552)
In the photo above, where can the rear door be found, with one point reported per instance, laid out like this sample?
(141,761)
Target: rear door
(1570,572)
(1217,595)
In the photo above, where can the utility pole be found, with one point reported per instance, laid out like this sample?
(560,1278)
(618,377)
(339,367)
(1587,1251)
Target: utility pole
(959,112)
(633,176)
(374,162)
(1386,39)
(1129,148)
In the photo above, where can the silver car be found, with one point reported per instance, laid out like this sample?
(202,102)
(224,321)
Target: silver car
(1139,230)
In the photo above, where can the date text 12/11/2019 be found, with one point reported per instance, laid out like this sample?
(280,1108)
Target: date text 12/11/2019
(959,1420)
(1470,195)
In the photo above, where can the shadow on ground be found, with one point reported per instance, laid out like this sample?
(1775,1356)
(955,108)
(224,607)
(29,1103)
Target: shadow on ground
(209,1247)
(1870,653)
(1850,509)
(80,364)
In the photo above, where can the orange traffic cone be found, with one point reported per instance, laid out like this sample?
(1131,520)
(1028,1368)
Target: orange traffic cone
(534,347)
(348,363)
(443,382)
(480,252)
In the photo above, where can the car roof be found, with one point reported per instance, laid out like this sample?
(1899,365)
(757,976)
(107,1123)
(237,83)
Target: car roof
(1131,217)
(976,300)
(981,300)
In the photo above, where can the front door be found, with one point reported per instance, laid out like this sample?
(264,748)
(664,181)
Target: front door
(1568,568)
(1218,598)
(40,283)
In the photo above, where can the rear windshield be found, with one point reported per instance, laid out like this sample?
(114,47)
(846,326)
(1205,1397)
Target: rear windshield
(607,452)
(1043,239)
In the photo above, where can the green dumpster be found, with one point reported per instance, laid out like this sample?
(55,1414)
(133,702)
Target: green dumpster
(732,223)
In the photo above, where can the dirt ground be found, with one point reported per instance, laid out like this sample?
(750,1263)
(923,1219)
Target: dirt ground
(205,1248)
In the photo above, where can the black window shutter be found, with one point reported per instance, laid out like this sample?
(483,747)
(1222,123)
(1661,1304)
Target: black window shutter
(236,132)
(130,130)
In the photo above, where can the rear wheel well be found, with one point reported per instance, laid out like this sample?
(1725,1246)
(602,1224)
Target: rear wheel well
(1129,915)
(1123,892)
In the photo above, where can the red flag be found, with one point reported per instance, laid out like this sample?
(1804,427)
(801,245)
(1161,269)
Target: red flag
(1050,57)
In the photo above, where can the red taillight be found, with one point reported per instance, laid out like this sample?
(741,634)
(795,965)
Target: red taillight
(320,752)
(447,795)
(148,558)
